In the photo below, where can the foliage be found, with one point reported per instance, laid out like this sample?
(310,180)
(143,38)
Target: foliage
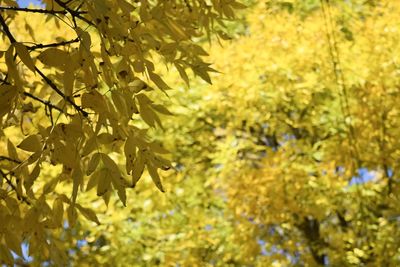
(76,79)
(290,158)
(302,126)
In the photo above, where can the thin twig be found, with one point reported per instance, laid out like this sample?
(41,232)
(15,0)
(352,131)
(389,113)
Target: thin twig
(47,103)
(7,30)
(41,46)
(4,81)
(60,93)
(31,10)
(47,79)
(14,188)
(74,13)
(9,159)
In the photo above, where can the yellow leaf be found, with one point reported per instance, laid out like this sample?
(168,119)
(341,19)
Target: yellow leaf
(122,195)
(130,153)
(110,164)
(31,143)
(148,115)
(126,7)
(157,148)
(202,72)
(106,197)
(77,179)
(154,176)
(238,5)
(161,109)
(24,55)
(72,215)
(32,177)
(29,29)
(105,138)
(158,81)
(54,57)
(119,102)
(89,146)
(88,214)
(58,212)
(5,255)
(95,101)
(13,242)
(12,68)
(138,66)
(50,185)
(93,180)
(182,73)
(176,29)
(68,79)
(92,165)
(8,94)
(162,163)
(138,168)
(84,36)
(104,182)
(12,151)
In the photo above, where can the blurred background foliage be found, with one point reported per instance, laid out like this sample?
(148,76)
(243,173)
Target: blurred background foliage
(290,158)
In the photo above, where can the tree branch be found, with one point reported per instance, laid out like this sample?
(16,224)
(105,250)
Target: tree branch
(4,81)
(47,80)
(7,30)
(47,103)
(9,159)
(74,13)
(31,10)
(40,46)
(60,93)
(14,188)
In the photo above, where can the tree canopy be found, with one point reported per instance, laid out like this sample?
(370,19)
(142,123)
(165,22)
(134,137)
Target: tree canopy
(289,157)
(75,85)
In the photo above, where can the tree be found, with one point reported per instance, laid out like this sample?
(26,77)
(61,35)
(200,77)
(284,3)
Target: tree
(76,97)
(307,134)
(290,158)
(275,169)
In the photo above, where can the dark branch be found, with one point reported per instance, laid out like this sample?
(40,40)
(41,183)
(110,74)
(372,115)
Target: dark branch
(47,80)
(40,46)
(14,188)
(188,5)
(31,10)
(4,81)
(9,159)
(75,14)
(7,30)
(60,93)
(47,103)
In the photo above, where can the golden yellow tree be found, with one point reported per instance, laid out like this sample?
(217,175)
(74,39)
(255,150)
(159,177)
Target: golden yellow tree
(275,169)
(75,84)
(308,133)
